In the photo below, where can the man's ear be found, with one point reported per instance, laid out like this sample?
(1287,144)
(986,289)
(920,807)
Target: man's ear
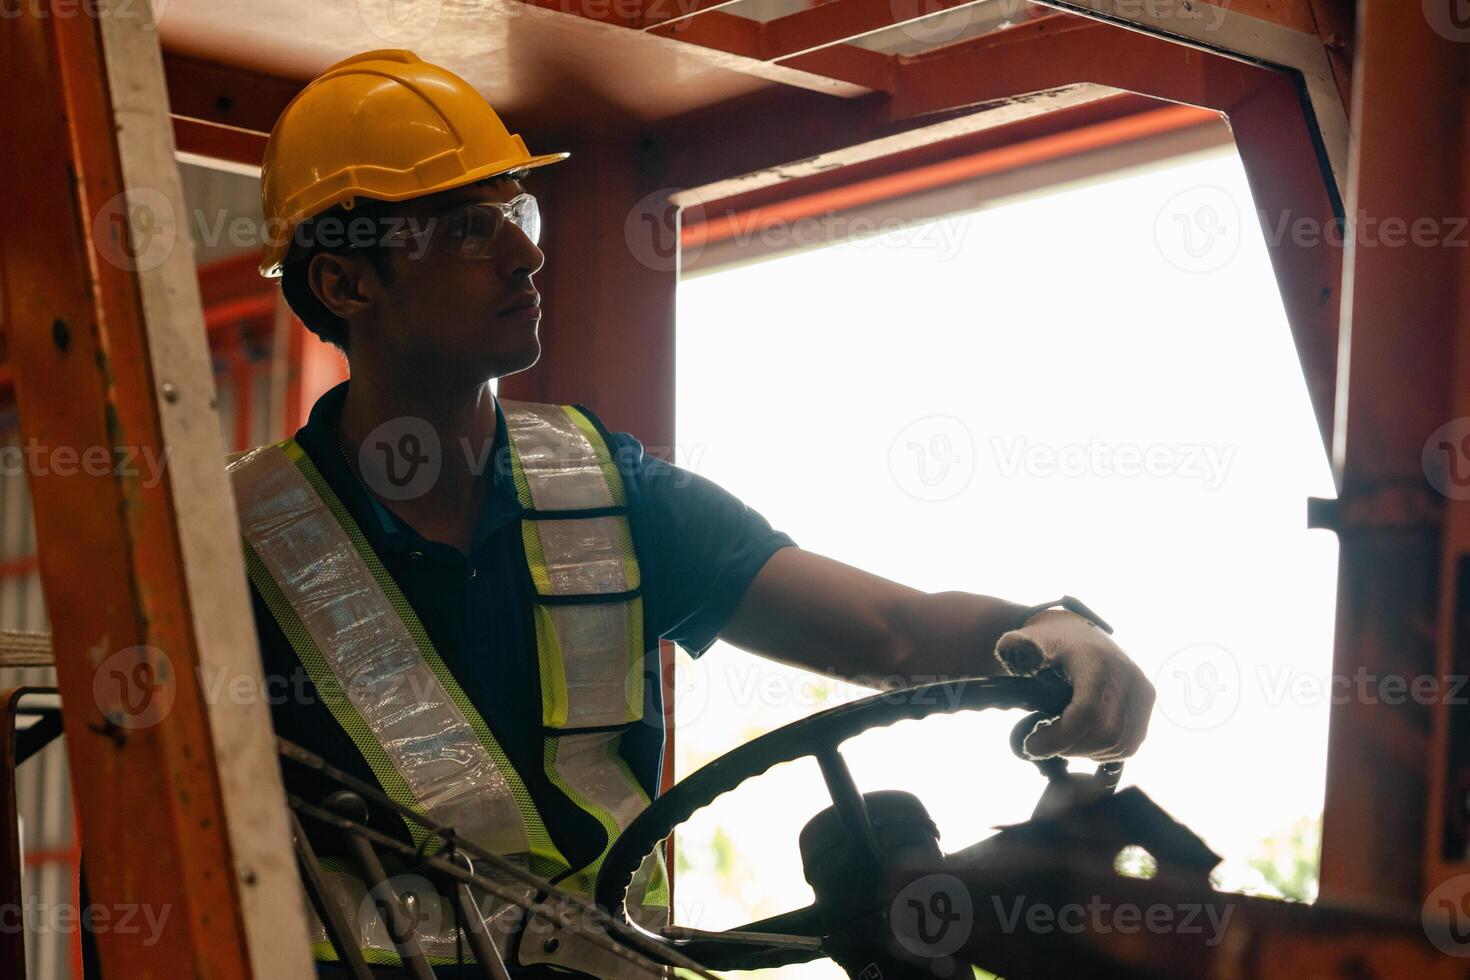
(337,281)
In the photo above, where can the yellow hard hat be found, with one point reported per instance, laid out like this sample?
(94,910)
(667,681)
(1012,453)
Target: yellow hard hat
(382,124)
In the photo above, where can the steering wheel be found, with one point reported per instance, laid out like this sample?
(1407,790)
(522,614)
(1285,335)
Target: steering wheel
(795,936)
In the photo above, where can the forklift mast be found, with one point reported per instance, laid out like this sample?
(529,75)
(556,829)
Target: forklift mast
(1340,111)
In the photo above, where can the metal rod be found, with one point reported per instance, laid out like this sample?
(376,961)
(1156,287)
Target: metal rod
(400,926)
(654,949)
(481,942)
(316,763)
(330,913)
(852,809)
(648,943)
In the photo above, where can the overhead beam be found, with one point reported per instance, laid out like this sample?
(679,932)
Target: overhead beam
(223,114)
(220,147)
(1056,52)
(1046,66)
(656,12)
(1277,142)
(226,95)
(747,40)
(904,176)
(1278,33)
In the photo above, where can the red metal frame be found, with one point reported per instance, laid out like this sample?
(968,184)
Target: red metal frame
(608,337)
(729,218)
(80,349)
(1406,340)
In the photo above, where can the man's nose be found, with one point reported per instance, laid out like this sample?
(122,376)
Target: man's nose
(522,257)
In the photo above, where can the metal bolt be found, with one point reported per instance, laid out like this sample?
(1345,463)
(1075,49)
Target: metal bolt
(110,729)
(552,945)
(170,392)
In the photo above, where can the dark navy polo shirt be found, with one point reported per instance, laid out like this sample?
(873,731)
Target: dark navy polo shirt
(698,549)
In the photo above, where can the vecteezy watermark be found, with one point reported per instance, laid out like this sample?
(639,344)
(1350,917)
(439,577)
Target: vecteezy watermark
(932,458)
(408,232)
(38,459)
(1183,461)
(652,231)
(1213,14)
(943,236)
(1199,230)
(1364,230)
(1283,684)
(932,916)
(126,919)
(419,905)
(400,21)
(410,21)
(1446,459)
(933,22)
(1445,916)
(135,688)
(750,685)
(1199,687)
(402,458)
(149,12)
(136,230)
(1450,19)
(1209,920)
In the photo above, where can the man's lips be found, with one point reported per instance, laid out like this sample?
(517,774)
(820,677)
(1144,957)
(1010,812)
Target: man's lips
(531,302)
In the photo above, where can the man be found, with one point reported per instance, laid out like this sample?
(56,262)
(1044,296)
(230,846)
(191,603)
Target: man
(468,593)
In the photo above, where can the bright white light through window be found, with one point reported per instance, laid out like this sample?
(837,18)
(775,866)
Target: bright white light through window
(1092,391)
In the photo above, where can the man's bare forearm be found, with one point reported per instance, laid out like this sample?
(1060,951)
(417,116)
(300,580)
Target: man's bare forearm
(820,614)
(952,634)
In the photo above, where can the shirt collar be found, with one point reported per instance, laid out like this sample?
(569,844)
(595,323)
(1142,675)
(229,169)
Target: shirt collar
(319,438)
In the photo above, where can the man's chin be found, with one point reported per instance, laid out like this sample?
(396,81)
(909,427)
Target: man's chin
(515,362)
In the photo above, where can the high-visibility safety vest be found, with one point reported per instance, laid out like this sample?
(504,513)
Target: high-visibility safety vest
(376,670)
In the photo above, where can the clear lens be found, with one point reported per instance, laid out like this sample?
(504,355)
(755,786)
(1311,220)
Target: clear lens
(480,229)
(471,230)
(526,214)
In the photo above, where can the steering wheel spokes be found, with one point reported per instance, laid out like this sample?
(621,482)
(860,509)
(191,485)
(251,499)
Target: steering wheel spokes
(863,840)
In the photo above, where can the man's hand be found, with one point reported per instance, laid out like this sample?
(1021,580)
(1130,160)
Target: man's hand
(1111,698)
(814,612)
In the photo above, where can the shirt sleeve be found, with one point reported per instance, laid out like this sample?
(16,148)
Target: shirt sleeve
(699,545)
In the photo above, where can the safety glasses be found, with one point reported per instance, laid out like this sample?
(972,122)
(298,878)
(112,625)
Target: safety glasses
(472,230)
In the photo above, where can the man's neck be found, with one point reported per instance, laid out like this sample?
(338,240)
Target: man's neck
(463,420)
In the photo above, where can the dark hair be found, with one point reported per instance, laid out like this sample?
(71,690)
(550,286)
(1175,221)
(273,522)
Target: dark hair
(339,230)
(324,234)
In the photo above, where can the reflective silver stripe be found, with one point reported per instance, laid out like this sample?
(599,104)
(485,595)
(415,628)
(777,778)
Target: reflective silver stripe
(589,763)
(561,466)
(583,556)
(599,665)
(370,654)
(591,653)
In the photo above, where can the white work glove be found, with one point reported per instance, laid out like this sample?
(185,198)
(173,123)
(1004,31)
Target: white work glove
(1107,717)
